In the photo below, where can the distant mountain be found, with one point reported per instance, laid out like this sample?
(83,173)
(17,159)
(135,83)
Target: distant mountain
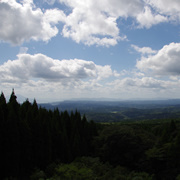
(85,103)
(112,111)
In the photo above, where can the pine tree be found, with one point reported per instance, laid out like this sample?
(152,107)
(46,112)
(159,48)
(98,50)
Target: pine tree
(13,136)
(35,137)
(3,108)
(3,137)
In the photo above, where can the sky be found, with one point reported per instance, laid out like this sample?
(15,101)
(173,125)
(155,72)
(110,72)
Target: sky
(54,50)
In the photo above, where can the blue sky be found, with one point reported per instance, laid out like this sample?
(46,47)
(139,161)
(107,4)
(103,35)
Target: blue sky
(55,50)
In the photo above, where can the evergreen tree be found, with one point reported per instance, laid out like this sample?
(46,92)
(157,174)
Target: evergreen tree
(3,137)
(3,108)
(35,137)
(12,145)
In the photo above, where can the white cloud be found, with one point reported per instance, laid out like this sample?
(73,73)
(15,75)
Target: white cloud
(144,50)
(39,66)
(95,22)
(23,22)
(147,18)
(51,79)
(146,87)
(90,22)
(170,8)
(46,78)
(165,62)
(144,82)
(84,24)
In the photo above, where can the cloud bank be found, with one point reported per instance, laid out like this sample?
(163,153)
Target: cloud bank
(22,22)
(169,8)
(89,22)
(92,23)
(46,78)
(165,62)
(40,66)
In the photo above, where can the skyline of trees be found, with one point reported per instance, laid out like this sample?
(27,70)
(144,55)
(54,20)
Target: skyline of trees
(31,136)
(38,142)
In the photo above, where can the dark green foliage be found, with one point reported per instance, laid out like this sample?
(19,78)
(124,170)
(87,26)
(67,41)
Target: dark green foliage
(36,143)
(118,111)
(150,147)
(35,137)
(88,168)
(124,145)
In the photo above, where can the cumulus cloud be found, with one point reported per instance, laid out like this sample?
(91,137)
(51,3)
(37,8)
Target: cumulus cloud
(43,77)
(145,87)
(147,18)
(90,22)
(90,19)
(21,22)
(144,82)
(169,8)
(95,22)
(87,22)
(39,66)
(165,62)
(143,50)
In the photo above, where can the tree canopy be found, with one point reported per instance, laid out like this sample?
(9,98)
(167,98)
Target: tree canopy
(31,136)
(38,143)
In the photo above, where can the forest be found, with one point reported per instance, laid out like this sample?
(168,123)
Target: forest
(116,111)
(41,144)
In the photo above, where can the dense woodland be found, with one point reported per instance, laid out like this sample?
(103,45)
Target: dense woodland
(116,111)
(34,137)
(36,143)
